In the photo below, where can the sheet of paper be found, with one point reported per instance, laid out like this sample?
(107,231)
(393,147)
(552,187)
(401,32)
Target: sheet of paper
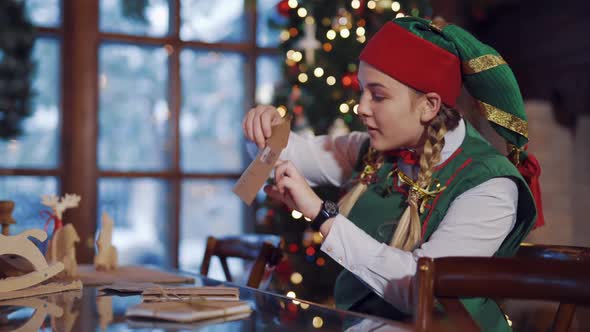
(259,170)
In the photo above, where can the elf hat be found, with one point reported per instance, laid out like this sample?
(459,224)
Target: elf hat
(441,58)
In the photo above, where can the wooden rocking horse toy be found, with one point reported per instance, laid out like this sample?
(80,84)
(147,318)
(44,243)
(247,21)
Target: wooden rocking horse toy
(22,264)
(42,309)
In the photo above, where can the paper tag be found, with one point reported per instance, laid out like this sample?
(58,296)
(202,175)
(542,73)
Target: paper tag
(259,170)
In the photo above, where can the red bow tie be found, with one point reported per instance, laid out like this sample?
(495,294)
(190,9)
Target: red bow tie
(407,156)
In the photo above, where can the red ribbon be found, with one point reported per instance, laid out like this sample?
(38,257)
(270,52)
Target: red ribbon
(531,171)
(407,156)
(57,224)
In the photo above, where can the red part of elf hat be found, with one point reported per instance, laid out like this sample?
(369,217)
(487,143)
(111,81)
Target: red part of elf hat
(415,62)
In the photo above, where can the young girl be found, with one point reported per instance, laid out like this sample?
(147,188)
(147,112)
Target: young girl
(425,183)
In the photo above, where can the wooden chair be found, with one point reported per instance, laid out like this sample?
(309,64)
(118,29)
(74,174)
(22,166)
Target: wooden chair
(264,250)
(565,312)
(449,278)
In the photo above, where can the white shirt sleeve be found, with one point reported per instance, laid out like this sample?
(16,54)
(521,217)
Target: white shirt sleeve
(322,159)
(476,224)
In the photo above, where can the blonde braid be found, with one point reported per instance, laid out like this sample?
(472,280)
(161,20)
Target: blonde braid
(408,232)
(372,161)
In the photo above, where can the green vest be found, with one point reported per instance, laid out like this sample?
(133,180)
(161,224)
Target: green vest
(474,162)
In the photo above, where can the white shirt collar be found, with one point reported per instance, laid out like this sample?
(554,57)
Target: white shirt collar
(453,140)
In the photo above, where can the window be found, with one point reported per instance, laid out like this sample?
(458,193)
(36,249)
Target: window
(30,165)
(174,84)
(173,80)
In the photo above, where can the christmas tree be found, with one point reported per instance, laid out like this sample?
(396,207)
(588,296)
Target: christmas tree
(17,37)
(321,41)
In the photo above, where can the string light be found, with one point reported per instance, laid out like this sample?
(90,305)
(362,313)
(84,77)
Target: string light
(327,47)
(371,4)
(331,34)
(415,11)
(293,32)
(297,56)
(291,294)
(169,49)
(317,237)
(385,4)
(309,20)
(302,12)
(317,322)
(320,261)
(355,4)
(360,31)
(302,77)
(399,15)
(331,80)
(293,4)
(361,39)
(296,214)
(304,305)
(345,33)
(344,108)
(284,35)
(355,109)
(318,72)
(508,320)
(282,110)
(296,278)
(396,6)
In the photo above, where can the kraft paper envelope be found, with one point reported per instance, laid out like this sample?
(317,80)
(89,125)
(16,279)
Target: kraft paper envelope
(259,170)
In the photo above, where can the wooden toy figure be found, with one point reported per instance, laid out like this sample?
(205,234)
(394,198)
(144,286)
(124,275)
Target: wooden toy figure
(106,257)
(62,248)
(6,219)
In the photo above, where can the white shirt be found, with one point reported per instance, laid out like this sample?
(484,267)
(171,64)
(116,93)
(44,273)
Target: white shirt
(476,223)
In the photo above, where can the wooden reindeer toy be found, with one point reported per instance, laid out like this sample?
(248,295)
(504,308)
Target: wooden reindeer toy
(106,257)
(62,246)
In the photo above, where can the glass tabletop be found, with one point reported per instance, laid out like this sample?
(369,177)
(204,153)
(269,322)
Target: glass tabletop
(95,310)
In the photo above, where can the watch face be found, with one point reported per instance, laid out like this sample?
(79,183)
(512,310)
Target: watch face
(331,208)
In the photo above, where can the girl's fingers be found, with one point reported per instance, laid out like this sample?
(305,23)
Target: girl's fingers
(258,134)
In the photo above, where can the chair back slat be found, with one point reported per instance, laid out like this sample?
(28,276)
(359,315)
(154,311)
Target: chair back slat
(263,249)
(520,278)
(538,272)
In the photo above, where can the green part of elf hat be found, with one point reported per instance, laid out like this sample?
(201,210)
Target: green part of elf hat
(438,57)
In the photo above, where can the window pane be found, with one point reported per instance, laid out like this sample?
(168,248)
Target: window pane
(212,110)
(212,21)
(45,13)
(208,208)
(147,18)
(43,124)
(134,132)
(140,210)
(268,74)
(268,15)
(26,192)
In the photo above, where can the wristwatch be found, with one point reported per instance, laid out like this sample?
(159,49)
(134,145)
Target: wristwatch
(329,210)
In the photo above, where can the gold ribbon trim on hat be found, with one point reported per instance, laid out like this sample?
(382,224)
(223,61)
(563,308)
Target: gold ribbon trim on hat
(482,63)
(423,195)
(505,119)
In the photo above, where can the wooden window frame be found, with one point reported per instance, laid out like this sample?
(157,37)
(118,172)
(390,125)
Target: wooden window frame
(78,170)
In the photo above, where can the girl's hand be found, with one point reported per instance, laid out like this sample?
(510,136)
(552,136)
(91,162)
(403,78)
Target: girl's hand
(292,189)
(258,122)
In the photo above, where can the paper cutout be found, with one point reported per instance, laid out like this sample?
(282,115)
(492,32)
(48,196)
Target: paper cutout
(259,170)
